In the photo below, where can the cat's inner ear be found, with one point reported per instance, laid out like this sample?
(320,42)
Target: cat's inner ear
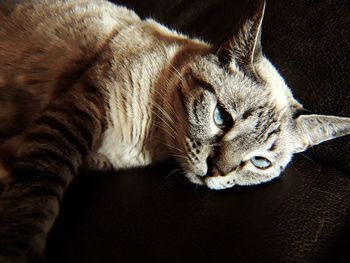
(314,129)
(243,45)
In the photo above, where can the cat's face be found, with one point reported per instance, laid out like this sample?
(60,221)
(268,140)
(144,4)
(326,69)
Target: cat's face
(237,120)
(237,129)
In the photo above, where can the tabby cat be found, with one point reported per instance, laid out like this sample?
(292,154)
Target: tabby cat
(85,83)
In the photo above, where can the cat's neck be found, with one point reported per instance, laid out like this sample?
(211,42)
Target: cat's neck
(141,85)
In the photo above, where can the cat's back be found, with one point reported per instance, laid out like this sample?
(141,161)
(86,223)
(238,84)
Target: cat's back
(52,36)
(45,46)
(87,22)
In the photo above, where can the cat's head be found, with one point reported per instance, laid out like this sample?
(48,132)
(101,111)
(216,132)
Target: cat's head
(237,121)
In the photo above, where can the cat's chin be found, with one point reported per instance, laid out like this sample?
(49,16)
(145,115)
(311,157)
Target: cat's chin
(218,183)
(211,183)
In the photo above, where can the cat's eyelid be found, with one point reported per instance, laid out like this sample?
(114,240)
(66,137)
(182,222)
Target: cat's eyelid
(263,153)
(204,85)
(224,108)
(208,87)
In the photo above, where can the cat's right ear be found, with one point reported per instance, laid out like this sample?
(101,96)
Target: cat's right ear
(243,46)
(314,129)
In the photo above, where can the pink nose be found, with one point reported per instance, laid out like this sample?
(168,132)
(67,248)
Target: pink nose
(213,170)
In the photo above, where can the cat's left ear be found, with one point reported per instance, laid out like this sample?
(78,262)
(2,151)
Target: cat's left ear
(243,45)
(314,129)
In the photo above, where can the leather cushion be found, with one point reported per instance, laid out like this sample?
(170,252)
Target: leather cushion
(145,215)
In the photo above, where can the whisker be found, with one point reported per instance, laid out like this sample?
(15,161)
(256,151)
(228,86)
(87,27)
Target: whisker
(162,94)
(176,72)
(173,134)
(307,157)
(174,172)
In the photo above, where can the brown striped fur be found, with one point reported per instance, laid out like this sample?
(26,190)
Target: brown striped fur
(89,84)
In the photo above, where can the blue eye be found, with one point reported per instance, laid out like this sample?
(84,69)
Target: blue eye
(260,162)
(218,118)
(221,117)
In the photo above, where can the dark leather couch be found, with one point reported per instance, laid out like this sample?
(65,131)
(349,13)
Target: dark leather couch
(304,216)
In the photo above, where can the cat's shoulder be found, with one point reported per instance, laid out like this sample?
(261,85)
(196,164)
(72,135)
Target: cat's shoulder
(70,13)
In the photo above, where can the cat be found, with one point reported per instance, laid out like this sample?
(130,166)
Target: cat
(89,84)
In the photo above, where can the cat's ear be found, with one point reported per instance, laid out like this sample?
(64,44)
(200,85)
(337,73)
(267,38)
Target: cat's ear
(314,129)
(243,45)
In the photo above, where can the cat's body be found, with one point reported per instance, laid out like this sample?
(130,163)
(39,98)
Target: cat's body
(87,83)
(41,80)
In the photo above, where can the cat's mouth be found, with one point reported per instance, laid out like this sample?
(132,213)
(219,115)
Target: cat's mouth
(213,178)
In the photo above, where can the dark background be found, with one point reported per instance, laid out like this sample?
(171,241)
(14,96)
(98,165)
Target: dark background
(304,216)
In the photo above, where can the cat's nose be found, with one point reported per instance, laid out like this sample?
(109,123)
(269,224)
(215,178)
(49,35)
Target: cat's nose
(213,170)
(218,168)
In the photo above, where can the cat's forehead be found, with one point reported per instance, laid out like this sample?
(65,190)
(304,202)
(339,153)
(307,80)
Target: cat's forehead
(231,88)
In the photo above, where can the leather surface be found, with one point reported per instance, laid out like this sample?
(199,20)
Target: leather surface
(304,216)
(144,214)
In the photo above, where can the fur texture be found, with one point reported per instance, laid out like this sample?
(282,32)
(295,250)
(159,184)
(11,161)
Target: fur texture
(87,83)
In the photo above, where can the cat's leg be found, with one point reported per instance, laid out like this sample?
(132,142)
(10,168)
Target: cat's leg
(50,156)
(8,151)
(18,109)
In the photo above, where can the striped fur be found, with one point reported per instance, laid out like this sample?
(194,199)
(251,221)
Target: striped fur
(89,84)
